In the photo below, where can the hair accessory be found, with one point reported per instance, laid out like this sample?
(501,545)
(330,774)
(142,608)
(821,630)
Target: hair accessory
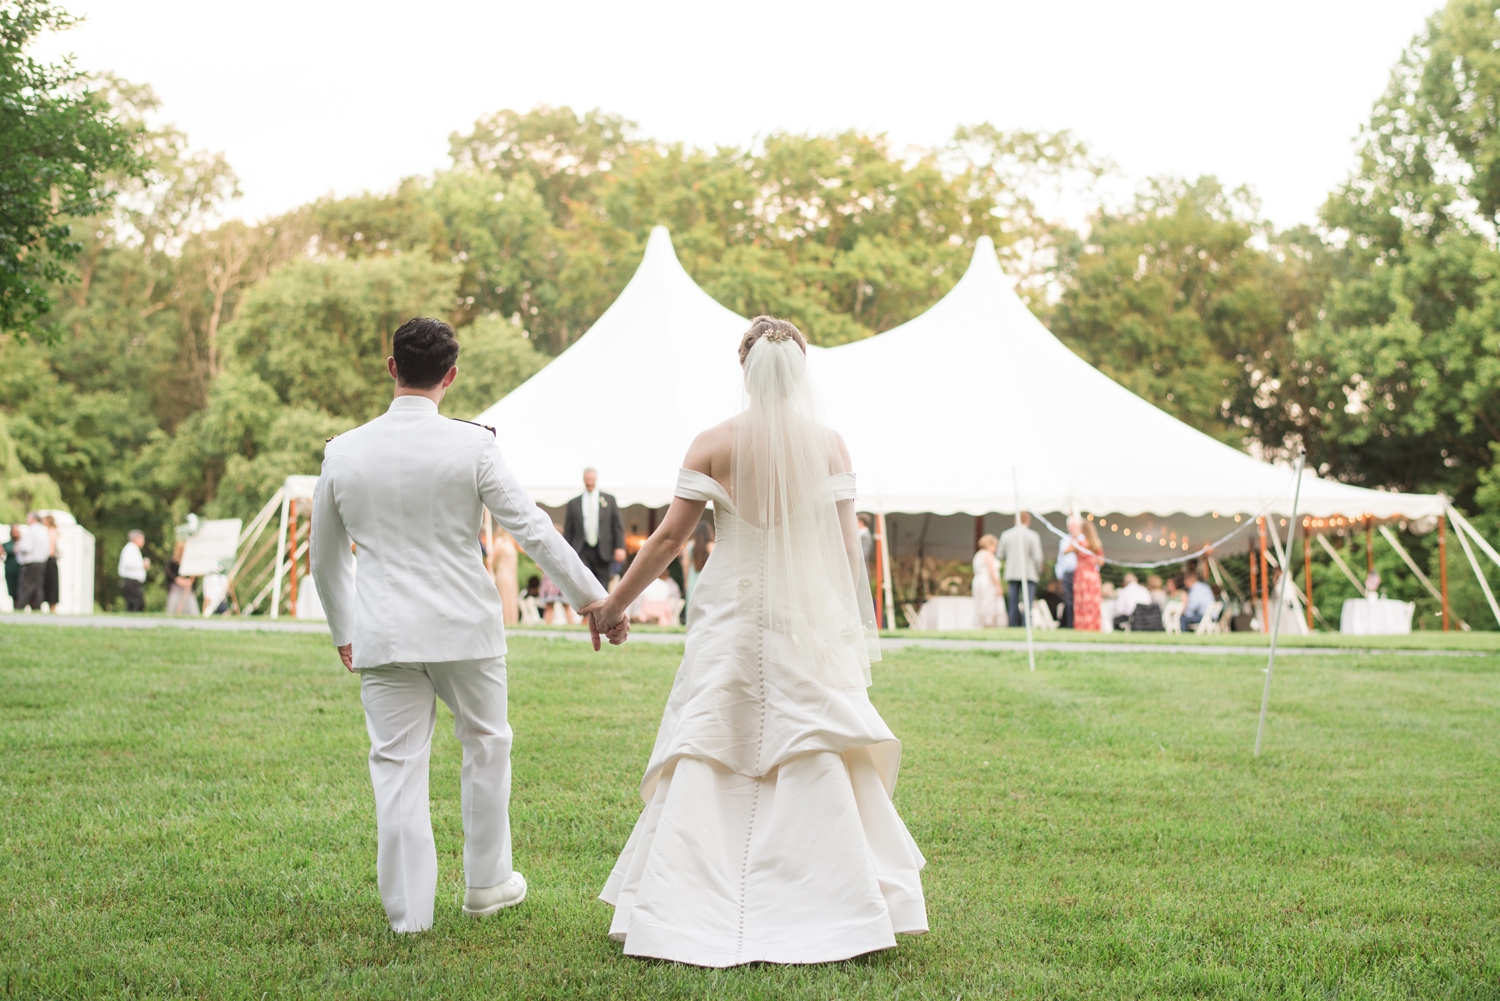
(779,334)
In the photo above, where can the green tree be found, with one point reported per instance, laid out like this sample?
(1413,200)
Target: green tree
(58,143)
(1173,299)
(20,490)
(494,358)
(318,332)
(1403,373)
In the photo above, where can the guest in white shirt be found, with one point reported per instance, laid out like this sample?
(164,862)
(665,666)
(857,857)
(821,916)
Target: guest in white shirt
(1021,549)
(1133,593)
(132,572)
(594,529)
(1067,565)
(31,552)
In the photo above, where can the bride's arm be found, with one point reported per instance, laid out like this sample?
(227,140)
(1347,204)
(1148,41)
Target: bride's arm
(670,536)
(655,556)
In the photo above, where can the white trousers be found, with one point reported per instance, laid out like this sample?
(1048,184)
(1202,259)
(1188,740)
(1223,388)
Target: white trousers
(400,713)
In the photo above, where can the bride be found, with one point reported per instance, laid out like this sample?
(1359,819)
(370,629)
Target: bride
(768,833)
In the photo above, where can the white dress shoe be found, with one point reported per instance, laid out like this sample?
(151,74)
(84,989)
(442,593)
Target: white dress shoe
(482,900)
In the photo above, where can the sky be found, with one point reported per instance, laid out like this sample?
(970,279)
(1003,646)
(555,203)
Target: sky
(313,98)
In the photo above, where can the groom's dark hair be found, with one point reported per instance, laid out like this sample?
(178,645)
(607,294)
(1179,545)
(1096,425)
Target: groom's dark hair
(424,349)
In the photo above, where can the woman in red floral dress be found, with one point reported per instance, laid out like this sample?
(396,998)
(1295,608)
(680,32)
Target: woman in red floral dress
(1086,579)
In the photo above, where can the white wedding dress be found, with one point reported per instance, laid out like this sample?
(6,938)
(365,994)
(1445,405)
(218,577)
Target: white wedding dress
(768,833)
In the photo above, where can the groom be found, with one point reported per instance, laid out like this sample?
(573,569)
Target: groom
(408,490)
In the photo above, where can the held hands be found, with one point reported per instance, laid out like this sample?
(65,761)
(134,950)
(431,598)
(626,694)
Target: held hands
(607,621)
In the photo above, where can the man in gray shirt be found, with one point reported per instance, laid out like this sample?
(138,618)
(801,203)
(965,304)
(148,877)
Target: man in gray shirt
(1021,549)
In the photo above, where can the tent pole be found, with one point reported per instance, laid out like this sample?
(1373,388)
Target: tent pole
(1025,591)
(1443,567)
(291,595)
(1307,571)
(1369,546)
(1286,576)
(879,574)
(1463,540)
(1265,591)
(978,530)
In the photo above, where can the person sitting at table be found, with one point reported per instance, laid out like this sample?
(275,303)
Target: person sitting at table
(658,602)
(1158,594)
(1133,593)
(1200,598)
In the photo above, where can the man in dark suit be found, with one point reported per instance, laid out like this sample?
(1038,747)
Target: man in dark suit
(594,529)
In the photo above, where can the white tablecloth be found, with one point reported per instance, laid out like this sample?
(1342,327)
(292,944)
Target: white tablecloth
(1376,617)
(947,613)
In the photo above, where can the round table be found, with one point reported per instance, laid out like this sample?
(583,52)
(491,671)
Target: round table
(1376,617)
(947,612)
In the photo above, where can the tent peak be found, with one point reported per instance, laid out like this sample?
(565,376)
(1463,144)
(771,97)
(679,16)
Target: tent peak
(660,242)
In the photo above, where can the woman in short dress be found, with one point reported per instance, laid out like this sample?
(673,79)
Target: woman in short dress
(1086,614)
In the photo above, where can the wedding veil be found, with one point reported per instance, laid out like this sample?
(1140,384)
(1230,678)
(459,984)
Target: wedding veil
(794,492)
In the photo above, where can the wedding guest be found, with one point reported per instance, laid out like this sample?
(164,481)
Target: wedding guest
(594,529)
(12,565)
(51,584)
(1133,593)
(1158,595)
(31,551)
(1171,611)
(505,561)
(866,539)
(180,600)
(1067,564)
(530,613)
(695,556)
(132,571)
(555,606)
(1200,599)
(1021,548)
(986,583)
(1086,587)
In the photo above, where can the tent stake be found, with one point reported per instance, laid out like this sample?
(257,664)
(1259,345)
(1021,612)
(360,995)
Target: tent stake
(1025,591)
(1265,698)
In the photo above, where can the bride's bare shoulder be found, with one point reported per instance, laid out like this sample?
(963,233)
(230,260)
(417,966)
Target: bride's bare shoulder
(709,452)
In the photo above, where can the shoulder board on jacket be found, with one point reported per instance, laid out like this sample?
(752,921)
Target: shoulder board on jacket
(476,424)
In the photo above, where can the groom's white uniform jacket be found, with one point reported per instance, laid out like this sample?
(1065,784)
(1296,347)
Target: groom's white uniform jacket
(409,489)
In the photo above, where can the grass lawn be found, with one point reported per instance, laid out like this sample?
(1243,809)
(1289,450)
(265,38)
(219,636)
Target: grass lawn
(188,814)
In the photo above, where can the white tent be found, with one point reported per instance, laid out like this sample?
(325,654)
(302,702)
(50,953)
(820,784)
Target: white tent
(983,388)
(939,413)
(628,398)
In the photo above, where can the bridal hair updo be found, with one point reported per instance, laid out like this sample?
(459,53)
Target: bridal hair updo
(773,329)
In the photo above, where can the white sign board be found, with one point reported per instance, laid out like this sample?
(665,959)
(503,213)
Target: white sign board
(211,549)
